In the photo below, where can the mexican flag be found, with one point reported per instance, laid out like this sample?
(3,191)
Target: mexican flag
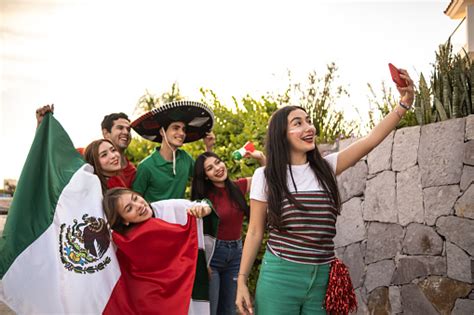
(56,255)
(56,252)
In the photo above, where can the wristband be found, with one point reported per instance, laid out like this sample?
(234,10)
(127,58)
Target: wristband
(398,113)
(406,107)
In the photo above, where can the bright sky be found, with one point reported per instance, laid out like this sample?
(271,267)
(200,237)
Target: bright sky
(91,58)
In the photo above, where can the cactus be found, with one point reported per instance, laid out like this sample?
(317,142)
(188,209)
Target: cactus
(418,111)
(471,85)
(452,87)
(440,109)
(466,100)
(446,88)
(425,100)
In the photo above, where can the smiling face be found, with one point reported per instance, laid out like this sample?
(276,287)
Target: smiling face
(175,134)
(119,133)
(109,159)
(215,170)
(300,132)
(132,208)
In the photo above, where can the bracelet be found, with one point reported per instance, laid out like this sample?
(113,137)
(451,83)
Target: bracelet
(243,274)
(398,113)
(404,106)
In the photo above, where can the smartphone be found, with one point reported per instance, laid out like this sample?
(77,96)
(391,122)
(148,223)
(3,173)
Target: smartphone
(396,76)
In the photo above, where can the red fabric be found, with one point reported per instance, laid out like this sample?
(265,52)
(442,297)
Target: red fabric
(158,264)
(340,297)
(230,216)
(116,181)
(125,178)
(127,175)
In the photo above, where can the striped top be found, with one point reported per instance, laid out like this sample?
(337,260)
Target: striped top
(305,235)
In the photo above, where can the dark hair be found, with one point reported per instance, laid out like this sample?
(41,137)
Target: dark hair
(278,159)
(110,205)
(167,122)
(202,186)
(108,121)
(91,155)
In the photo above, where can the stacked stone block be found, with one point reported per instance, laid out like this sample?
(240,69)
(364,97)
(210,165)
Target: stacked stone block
(406,229)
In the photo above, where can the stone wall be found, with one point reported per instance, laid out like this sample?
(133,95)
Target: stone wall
(406,229)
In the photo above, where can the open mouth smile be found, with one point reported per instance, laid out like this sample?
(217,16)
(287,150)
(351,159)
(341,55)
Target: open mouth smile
(309,138)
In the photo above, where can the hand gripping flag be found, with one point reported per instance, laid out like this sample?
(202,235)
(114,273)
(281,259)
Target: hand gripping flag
(56,255)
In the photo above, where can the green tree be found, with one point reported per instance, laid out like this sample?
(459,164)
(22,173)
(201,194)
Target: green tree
(235,125)
(140,148)
(318,96)
(149,101)
(382,106)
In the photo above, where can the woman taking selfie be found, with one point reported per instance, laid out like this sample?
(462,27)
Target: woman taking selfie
(296,196)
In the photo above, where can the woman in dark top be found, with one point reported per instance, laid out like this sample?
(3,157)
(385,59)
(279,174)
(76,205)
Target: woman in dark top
(211,181)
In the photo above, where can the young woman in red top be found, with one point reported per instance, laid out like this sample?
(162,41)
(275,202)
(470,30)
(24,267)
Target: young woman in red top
(211,181)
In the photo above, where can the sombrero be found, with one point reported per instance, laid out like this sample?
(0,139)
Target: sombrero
(198,118)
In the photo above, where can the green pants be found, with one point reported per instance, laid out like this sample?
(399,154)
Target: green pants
(290,288)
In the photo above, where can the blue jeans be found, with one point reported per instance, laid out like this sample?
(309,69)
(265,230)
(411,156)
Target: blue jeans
(225,266)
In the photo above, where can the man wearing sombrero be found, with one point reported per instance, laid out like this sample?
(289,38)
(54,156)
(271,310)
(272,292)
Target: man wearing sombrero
(164,173)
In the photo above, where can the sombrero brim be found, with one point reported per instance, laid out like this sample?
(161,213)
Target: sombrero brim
(199,120)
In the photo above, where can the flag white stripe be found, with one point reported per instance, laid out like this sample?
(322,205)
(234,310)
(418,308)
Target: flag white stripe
(37,281)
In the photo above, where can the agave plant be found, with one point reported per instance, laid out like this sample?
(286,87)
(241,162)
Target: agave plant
(452,88)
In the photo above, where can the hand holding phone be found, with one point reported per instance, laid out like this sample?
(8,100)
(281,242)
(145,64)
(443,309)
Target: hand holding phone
(396,76)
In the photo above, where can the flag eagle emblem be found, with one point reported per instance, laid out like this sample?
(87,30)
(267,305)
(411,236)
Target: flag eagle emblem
(83,244)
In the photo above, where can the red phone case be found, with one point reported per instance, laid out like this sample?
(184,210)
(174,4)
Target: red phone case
(396,76)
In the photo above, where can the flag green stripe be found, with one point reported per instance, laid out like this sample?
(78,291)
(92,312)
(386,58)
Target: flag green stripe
(210,222)
(201,281)
(50,164)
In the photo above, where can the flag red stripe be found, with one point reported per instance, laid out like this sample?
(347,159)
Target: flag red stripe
(158,264)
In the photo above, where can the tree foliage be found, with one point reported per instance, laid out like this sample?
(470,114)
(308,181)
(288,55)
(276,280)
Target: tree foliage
(234,126)
(318,96)
(383,105)
(140,148)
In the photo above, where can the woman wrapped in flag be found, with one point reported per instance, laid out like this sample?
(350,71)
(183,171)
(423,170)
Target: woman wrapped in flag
(148,245)
(158,259)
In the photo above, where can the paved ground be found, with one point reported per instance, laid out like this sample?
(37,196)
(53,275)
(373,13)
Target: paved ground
(4,310)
